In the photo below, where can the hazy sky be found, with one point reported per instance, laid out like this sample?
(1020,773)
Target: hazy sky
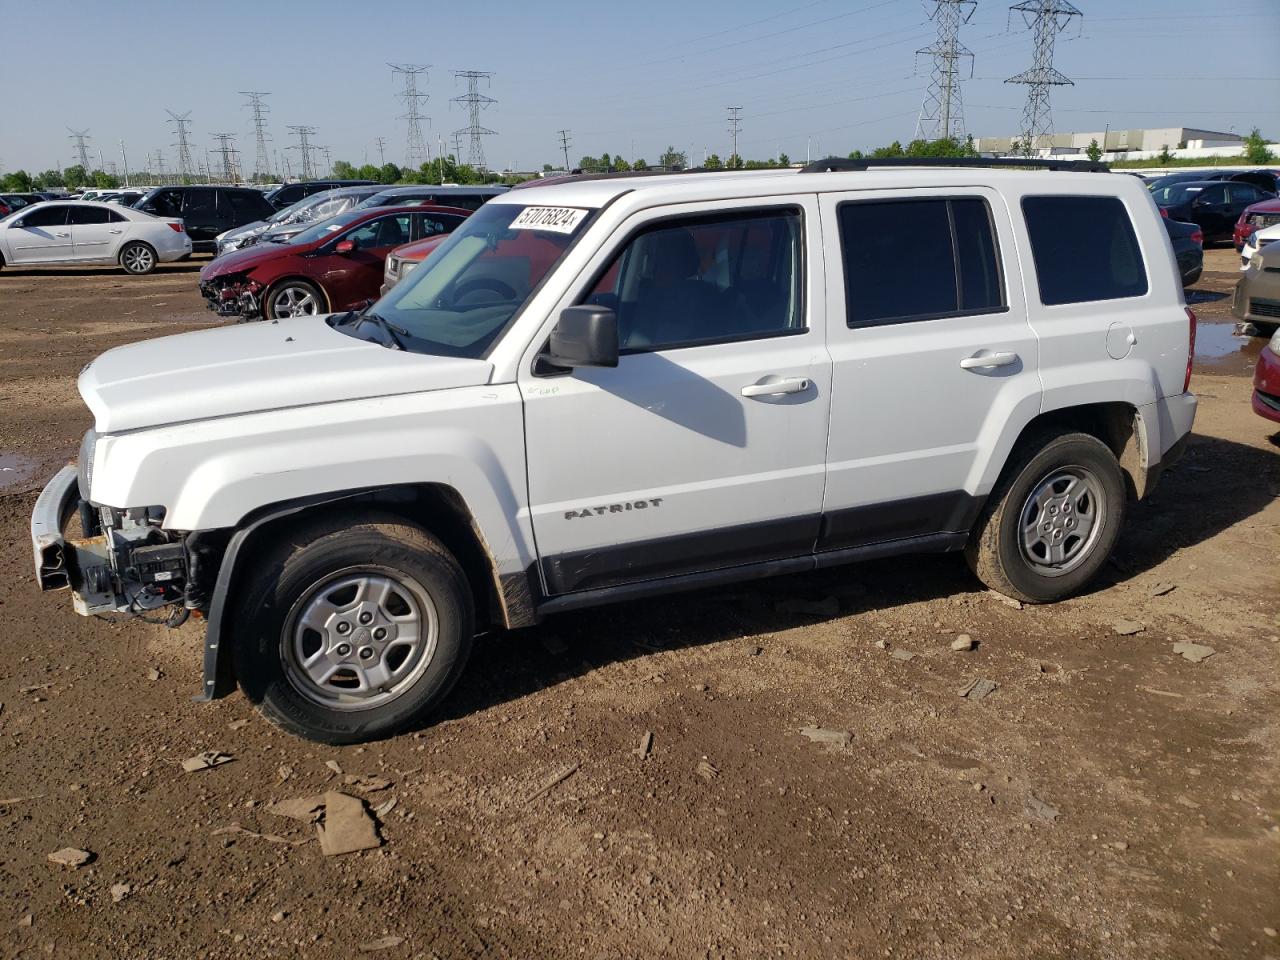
(623,77)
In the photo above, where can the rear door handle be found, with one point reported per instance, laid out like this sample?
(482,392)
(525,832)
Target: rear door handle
(774,386)
(977,362)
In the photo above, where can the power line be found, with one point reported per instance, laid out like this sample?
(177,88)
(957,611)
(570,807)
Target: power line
(475,101)
(564,145)
(82,138)
(416,151)
(304,146)
(942,114)
(227,151)
(735,124)
(183,144)
(1047,18)
(262,156)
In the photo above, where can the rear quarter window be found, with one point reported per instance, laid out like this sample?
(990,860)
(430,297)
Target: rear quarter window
(1084,248)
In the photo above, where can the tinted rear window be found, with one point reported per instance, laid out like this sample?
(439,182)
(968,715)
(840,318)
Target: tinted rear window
(1084,248)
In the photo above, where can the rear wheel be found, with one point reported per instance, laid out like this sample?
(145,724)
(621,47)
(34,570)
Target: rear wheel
(351,631)
(137,258)
(293,298)
(1053,519)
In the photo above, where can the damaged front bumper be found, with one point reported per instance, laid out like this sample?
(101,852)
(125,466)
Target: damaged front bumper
(79,564)
(232,299)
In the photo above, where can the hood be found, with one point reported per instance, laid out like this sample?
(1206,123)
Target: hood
(243,231)
(255,367)
(245,259)
(419,250)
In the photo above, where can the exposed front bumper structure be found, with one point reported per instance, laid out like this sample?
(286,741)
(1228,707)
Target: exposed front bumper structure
(231,299)
(51,512)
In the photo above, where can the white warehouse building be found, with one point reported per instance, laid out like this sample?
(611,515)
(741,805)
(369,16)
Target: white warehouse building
(1121,141)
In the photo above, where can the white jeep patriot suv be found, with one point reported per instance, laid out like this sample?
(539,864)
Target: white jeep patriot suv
(619,386)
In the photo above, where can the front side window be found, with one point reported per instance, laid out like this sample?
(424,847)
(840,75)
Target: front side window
(87,215)
(167,203)
(50,216)
(681,283)
(471,287)
(1084,249)
(382,232)
(909,260)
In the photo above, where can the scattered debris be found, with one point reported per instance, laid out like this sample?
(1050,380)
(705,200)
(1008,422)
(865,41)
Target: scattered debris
(70,857)
(1007,601)
(557,778)
(1127,628)
(36,688)
(334,766)
(979,689)
(154,674)
(206,760)
(278,916)
(284,773)
(1041,809)
(1161,693)
(828,736)
(119,891)
(1195,652)
(306,809)
(347,826)
(1120,845)
(10,801)
(238,724)
(902,655)
(1161,588)
(826,607)
(646,744)
(27,921)
(382,943)
(882,643)
(365,782)
(756,651)
(706,769)
(235,828)
(385,807)
(963,642)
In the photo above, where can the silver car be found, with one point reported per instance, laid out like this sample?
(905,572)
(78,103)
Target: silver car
(295,218)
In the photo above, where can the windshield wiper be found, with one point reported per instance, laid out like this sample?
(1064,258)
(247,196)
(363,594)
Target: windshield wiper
(393,332)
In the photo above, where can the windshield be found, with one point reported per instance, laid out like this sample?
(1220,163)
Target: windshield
(1176,193)
(466,292)
(324,228)
(288,213)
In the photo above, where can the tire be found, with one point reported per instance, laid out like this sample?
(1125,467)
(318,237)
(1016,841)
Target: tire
(289,629)
(138,258)
(1065,561)
(293,298)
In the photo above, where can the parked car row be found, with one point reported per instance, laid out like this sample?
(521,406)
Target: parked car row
(88,232)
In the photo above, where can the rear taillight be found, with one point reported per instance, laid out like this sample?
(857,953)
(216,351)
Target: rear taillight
(1198,237)
(177,227)
(1164,213)
(1191,347)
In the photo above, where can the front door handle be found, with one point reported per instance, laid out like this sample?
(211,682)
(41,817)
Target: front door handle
(62,235)
(774,386)
(115,231)
(978,361)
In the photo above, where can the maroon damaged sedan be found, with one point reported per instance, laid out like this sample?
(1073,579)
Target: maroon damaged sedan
(333,266)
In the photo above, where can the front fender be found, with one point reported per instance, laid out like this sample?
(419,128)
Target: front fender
(214,473)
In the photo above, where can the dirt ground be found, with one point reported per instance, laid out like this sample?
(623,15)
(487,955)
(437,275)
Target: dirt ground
(1109,799)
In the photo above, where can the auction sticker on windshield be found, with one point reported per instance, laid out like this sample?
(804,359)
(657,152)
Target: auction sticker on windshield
(553,219)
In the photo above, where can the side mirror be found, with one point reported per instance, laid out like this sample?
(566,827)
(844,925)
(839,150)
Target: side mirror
(345,246)
(585,336)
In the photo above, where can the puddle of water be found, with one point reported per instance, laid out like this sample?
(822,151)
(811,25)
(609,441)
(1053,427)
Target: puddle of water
(1217,340)
(15,470)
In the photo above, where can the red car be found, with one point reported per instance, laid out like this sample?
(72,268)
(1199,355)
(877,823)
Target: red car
(1266,382)
(1265,213)
(330,267)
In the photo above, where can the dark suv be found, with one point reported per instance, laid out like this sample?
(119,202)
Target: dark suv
(282,197)
(207,211)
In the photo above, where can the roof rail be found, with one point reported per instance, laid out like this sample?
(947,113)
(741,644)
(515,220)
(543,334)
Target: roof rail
(841,164)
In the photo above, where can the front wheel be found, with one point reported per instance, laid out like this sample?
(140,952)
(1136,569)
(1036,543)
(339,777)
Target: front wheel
(1052,521)
(137,258)
(347,632)
(293,298)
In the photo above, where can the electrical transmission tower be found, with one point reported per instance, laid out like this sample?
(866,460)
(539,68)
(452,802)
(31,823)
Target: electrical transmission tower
(81,137)
(942,114)
(227,151)
(1047,18)
(382,152)
(262,158)
(565,143)
(415,151)
(475,101)
(328,161)
(735,125)
(183,144)
(304,146)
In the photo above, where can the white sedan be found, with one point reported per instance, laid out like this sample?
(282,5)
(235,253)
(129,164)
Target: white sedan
(84,232)
(1257,240)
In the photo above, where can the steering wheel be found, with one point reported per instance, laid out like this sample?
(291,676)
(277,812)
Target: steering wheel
(469,287)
